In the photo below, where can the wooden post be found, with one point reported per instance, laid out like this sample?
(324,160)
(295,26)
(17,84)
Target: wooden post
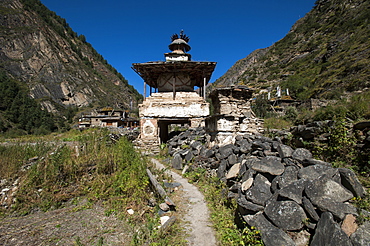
(174,86)
(159,189)
(144,90)
(204,87)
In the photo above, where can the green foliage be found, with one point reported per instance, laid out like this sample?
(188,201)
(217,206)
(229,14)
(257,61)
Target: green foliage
(291,114)
(262,108)
(355,108)
(14,155)
(277,123)
(117,173)
(20,111)
(362,204)
(195,175)
(223,216)
(340,148)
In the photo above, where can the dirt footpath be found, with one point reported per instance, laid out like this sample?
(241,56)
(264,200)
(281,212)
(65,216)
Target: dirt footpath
(197,215)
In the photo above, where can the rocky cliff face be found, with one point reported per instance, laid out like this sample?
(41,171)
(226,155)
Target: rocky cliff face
(59,67)
(323,56)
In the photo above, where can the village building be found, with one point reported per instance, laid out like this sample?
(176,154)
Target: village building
(107,117)
(172,98)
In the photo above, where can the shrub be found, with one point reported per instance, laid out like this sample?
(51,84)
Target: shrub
(277,123)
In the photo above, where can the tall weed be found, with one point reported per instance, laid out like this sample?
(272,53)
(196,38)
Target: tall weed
(91,165)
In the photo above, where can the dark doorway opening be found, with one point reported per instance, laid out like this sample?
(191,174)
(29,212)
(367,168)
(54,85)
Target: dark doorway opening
(171,127)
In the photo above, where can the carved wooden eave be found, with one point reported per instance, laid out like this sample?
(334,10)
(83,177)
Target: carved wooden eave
(197,71)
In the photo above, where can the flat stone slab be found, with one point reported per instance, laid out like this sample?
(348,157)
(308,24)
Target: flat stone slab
(269,164)
(323,187)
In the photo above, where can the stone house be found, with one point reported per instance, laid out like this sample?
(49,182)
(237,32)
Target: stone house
(107,117)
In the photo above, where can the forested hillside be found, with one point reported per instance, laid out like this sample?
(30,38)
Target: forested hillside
(325,55)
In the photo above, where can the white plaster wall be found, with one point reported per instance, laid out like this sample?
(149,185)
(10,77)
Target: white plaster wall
(176,110)
(148,129)
(226,125)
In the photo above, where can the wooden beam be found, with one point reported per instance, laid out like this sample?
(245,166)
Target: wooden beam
(174,86)
(159,189)
(204,88)
(144,90)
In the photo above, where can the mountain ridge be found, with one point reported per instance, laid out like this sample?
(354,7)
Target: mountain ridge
(59,67)
(324,55)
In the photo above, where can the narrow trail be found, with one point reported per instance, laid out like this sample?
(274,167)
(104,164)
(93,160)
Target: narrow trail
(197,215)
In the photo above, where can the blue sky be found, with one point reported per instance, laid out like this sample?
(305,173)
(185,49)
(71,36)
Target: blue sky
(126,32)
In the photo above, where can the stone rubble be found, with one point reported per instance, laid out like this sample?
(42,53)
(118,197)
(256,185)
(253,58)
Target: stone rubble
(281,191)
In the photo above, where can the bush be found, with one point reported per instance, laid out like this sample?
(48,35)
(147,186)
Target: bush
(291,114)
(262,108)
(277,123)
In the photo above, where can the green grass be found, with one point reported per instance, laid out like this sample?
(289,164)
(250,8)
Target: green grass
(85,165)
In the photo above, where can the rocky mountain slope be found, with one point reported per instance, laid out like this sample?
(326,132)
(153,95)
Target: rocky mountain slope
(324,55)
(60,69)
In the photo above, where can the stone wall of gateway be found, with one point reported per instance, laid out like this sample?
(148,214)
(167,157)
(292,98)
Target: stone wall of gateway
(185,105)
(161,109)
(233,115)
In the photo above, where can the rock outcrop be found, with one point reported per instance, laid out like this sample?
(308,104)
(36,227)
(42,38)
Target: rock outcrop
(60,68)
(282,191)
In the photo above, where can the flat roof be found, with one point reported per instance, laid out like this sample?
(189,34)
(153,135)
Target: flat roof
(150,71)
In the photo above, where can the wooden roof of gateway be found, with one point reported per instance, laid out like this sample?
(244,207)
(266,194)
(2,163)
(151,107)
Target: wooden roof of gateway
(197,71)
(241,89)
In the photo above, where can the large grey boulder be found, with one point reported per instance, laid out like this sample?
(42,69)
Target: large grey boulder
(338,209)
(232,159)
(226,150)
(301,154)
(293,191)
(310,209)
(362,235)
(221,171)
(329,233)
(244,146)
(323,187)
(248,206)
(189,156)
(177,161)
(260,192)
(269,164)
(315,171)
(285,151)
(287,215)
(271,235)
(289,176)
(196,145)
(351,182)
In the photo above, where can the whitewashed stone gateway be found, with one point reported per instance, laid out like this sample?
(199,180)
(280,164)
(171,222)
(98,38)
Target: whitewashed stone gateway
(174,101)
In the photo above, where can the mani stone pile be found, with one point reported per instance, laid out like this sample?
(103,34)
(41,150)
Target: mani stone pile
(290,197)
